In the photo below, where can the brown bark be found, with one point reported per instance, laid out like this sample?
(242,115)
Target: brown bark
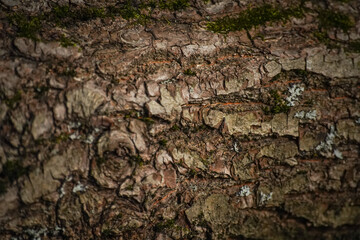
(116,127)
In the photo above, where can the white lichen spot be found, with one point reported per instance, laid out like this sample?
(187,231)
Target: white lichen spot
(244,191)
(236,147)
(193,187)
(295,92)
(265,197)
(36,234)
(338,154)
(168,81)
(62,192)
(306,115)
(79,188)
(90,139)
(57,230)
(326,146)
(357,121)
(74,125)
(75,136)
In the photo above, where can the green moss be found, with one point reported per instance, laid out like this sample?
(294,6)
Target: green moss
(253,17)
(89,13)
(175,127)
(66,16)
(147,120)
(161,226)
(300,72)
(192,172)
(68,72)
(277,104)
(324,38)
(3,187)
(27,26)
(344,1)
(100,161)
(309,102)
(66,42)
(61,138)
(189,72)
(173,5)
(354,47)
(13,101)
(41,91)
(129,188)
(12,170)
(128,12)
(163,142)
(108,233)
(330,19)
(138,160)
(205,162)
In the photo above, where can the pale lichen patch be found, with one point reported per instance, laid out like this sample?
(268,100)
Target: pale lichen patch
(306,115)
(79,188)
(244,191)
(265,197)
(295,92)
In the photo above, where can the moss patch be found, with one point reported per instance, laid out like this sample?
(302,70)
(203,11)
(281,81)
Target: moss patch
(354,47)
(12,170)
(66,42)
(27,26)
(330,19)
(189,72)
(253,17)
(65,16)
(173,5)
(13,101)
(3,187)
(161,226)
(277,104)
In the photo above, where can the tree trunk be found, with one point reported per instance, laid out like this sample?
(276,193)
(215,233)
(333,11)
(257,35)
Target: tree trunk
(180,119)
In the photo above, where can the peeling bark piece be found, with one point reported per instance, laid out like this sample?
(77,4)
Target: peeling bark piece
(83,102)
(42,123)
(46,181)
(280,151)
(46,51)
(241,123)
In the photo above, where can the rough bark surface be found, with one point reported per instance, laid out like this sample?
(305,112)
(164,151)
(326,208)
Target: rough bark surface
(154,126)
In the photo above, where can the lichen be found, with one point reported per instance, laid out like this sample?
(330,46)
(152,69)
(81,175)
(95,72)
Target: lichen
(327,145)
(306,115)
(265,197)
(36,234)
(338,154)
(244,191)
(295,92)
(79,188)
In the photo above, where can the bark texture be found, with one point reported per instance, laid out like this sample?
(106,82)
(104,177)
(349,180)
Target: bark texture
(179,119)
